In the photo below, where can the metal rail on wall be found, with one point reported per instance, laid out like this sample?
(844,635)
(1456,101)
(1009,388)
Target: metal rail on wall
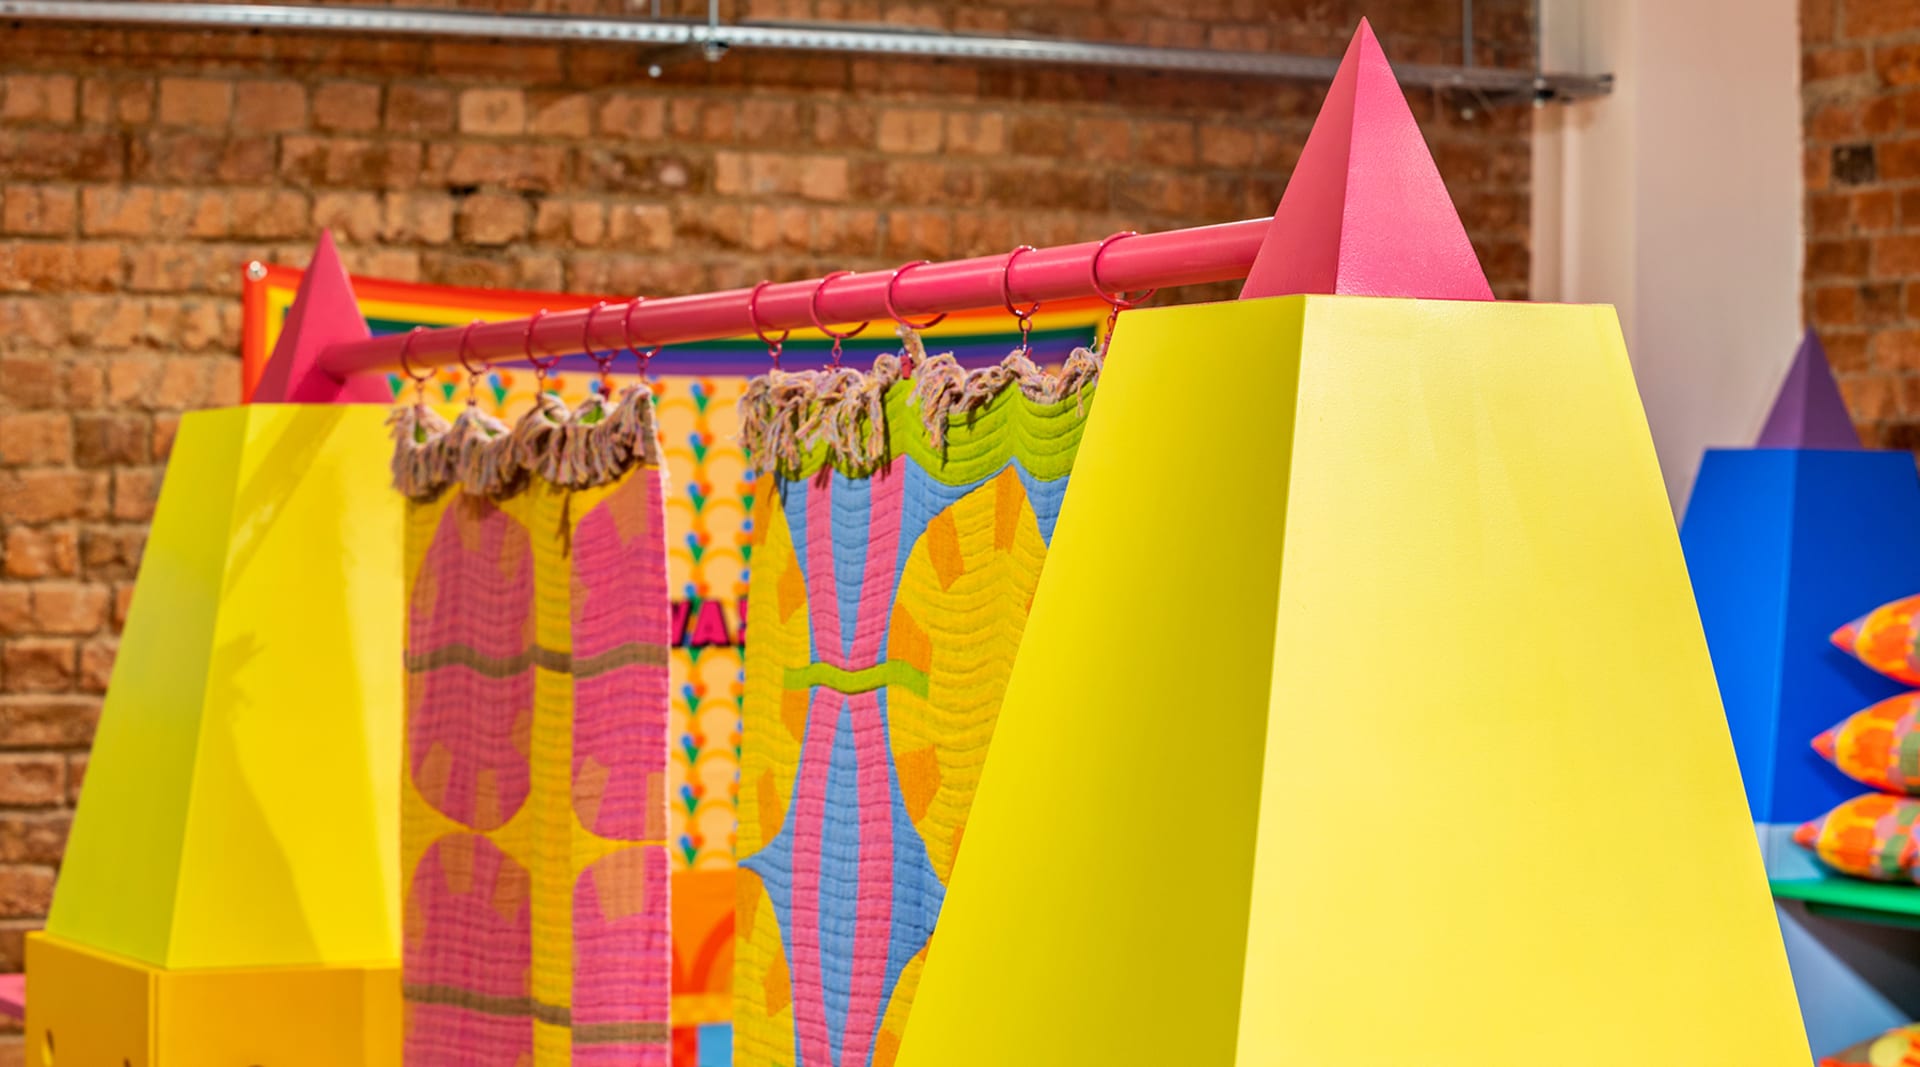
(713,39)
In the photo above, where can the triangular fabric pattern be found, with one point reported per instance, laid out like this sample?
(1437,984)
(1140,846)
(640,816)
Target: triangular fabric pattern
(1365,212)
(1809,411)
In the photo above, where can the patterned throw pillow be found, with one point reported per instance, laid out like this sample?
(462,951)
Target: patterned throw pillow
(1884,639)
(1879,746)
(1870,836)
(1898,1047)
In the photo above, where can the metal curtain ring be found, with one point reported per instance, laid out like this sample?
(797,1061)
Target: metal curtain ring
(813,313)
(626,335)
(774,344)
(1119,301)
(473,376)
(894,314)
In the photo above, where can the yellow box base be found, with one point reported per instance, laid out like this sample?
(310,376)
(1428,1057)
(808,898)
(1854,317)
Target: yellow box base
(92,1009)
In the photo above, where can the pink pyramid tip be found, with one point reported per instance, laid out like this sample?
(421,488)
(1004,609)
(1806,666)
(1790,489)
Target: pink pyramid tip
(324,313)
(1365,212)
(1809,411)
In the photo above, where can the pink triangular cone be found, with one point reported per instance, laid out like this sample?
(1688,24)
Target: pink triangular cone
(324,313)
(1809,412)
(1365,212)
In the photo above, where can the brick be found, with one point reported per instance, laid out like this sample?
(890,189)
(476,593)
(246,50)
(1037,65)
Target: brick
(124,211)
(268,213)
(16,610)
(1893,257)
(1170,144)
(69,608)
(1876,18)
(25,891)
(96,665)
(824,178)
(112,552)
(492,219)
(633,116)
(559,115)
(423,218)
(34,837)
(36,665)
(493,112)
(271,107)
(60,155)
(107,101)
(76,776)
(42,267)
(1823,64)
(134,493)
(1817,19)
(909,131)
(38,211)
(346,107)
(351,162)
(529,168)
(195,157)
(202,102)
(976,134)
(359,217)
(1227,146)
(1896,161)
(41,552)
(36,496)
(30,381)
(767,123)
(35,439)
(1843,258)
(39,98)
(414,109)
(1102,140)
(1835,305)
(642,226)
(111,440)
(1039,135)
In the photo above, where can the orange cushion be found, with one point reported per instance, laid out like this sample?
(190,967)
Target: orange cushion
(1884,639)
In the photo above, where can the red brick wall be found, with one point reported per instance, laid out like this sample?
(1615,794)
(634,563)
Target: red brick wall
(139,170)
(1861,90)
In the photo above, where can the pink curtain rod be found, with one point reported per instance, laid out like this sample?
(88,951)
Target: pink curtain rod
(1222,252)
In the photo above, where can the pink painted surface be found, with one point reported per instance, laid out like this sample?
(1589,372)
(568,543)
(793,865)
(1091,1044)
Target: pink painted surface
(1221,252)
(324,313)
(13,995)
(1365,213)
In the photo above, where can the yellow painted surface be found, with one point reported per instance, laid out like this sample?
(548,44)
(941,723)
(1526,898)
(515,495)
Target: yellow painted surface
(86,1008)
(107,1010)
(242,801)
(1468,798)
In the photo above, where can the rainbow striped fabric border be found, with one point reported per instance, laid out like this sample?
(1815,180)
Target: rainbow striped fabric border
(974,337)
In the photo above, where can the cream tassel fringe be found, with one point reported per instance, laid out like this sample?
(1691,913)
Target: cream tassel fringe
(572,449)
(784,415)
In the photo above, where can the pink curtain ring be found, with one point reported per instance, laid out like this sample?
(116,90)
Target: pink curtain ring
(605,363)
(895,315)
(541,368)
(406,365)
(774,344)
(813,313)
(626,335)
(1006,297)
(1006,285)
(473,376)
(1119,301)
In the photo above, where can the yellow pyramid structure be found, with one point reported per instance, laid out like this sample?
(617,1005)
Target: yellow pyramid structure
(230,892)
(1363,717)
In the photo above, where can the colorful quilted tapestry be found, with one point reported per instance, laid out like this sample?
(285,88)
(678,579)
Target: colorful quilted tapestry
(1870,836)
(1886,639)
(534,809)
(1898,1047)
(1879,746)
(895,557)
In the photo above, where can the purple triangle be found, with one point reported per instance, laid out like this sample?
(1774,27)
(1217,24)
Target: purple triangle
(1809,412)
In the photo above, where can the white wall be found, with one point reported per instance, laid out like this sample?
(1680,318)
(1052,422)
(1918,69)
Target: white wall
(1678,199)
